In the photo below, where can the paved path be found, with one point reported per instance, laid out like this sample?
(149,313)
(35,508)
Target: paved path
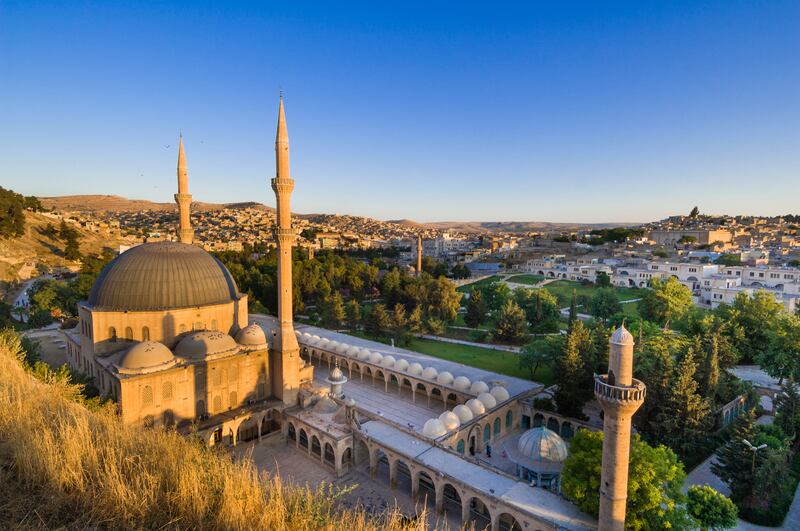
(492,346)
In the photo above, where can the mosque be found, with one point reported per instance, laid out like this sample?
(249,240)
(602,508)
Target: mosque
(166,333)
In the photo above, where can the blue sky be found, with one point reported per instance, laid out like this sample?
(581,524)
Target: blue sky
(554,111)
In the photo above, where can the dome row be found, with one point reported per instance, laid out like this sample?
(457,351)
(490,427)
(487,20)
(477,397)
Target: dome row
(463,413)
(462,383)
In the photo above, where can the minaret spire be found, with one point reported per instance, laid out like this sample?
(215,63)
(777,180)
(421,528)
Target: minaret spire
(287,362)
(183,198)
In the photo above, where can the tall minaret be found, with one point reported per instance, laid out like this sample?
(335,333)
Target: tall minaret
(419,254)
(183,198)
(620,395)
(286,351)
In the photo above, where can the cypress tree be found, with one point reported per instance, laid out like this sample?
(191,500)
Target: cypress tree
(573,308)
(735,460)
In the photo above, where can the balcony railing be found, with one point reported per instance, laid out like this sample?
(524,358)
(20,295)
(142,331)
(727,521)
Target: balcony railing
(635,393)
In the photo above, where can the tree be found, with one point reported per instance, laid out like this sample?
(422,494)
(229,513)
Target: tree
(735,461)
(399,324)
(353,314)
(415,324)
(654,485)
(684,415)
(378,321)
(788,409)
(574,388)
(694,213)
(443,300)
(539,352)
(476,309)
(541,309)
(712,510)
(460,271)
(605,303)
(72,248)
(573,308)
(757,315)
(333,310)
(511,325)
(665,301)
(782,356)
(602,280)
(12,217)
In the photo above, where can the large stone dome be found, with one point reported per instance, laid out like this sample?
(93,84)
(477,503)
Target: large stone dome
(162,276)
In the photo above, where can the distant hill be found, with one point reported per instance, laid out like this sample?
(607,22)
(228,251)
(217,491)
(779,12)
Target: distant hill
(116,203)
(518,226)
(407,223)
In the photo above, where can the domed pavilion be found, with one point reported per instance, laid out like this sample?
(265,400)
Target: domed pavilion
(539,456)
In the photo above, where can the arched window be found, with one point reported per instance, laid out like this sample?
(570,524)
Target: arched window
(232,400)
(198,326)
(147,395)
(182,329)
(145,334)
(233,374)
(460,446)
(217,376)
(497,426)
(213,324)
(112,334)
(487,433)
(128,333)
(166,391)
(217,403)
(509,420)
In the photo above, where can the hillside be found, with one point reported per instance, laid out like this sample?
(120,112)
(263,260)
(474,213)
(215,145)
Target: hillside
(116,203)
(19,256)
(518,226)
(64,465)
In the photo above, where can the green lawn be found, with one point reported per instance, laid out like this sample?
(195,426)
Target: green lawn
(526,279)
(482,358)
(562,289)
(468,287)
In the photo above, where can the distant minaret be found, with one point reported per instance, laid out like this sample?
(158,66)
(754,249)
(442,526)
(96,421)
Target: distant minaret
(183,198)
(419,254)
(286,351)
(620,395)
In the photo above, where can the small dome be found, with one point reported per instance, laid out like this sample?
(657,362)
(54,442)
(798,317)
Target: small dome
(146,355)
(430,373)
(325,406)
(461,383)
(323,342)
(415,369)
(307,335)
(332,346)
(500,393)
(450,420)
(388,361)
(621,336)
(479,387)
(433,428)
(337,376)
(464,413)
(297,333)
(342,348)
(199,345)
(353,351)
(487,400)
(315,337)
(375,357)
(542,444)
(364,354)
(252,336)
(444,378)
(476,406)
(350,402)
(401,364)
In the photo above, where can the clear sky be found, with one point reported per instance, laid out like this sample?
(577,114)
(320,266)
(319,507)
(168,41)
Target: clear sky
(555,111)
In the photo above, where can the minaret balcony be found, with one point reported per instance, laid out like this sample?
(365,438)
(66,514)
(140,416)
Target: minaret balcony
(605,391)
(282,185)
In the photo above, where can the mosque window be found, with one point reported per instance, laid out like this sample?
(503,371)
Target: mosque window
(460,447)
(112,334)
(217,403)
(198,326)
(232,400)
(166,391)
(487,433)
(128,333)
(497,426)
(147,395)
(509,420)
(145,333)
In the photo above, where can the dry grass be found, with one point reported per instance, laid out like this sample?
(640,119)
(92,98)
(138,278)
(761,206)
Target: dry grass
(65,466)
